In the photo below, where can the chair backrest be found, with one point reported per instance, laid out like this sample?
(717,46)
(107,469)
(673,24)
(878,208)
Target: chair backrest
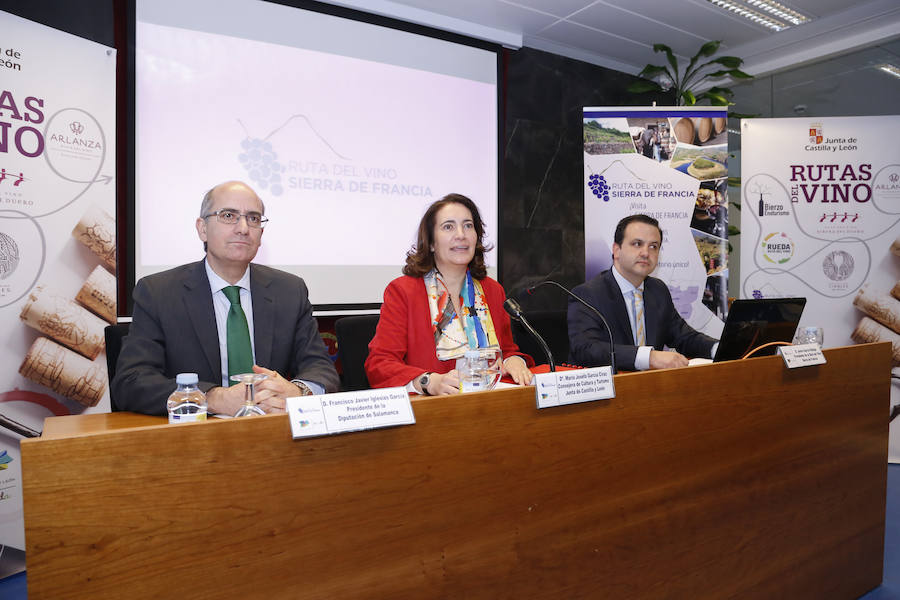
(353,337)
(553,326)
(114,334)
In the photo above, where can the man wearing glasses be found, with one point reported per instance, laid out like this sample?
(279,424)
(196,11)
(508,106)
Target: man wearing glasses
(222,316)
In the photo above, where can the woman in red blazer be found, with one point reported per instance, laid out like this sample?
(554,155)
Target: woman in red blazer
(420,332)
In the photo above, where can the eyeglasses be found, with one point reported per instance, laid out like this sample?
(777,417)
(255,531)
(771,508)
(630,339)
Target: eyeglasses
(229,216)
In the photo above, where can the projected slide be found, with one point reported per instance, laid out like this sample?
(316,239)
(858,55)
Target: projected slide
(345,151)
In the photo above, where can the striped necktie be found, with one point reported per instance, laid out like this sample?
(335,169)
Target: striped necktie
(640,338)
(237,335)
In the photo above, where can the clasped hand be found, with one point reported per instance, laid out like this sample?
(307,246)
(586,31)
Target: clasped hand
(270,394)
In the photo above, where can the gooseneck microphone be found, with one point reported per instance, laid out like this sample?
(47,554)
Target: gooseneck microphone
(612,347)
(515,311)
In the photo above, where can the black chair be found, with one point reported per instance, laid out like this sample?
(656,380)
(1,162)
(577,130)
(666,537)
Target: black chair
(114,334)
(353,337)
(553,326)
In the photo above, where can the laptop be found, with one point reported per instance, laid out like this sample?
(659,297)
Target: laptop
(752,323)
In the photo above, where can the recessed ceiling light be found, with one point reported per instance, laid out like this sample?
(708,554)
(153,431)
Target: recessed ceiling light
(890,69)
(774,15)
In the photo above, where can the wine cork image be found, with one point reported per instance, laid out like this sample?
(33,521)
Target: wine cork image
(881,306)
(895,247)
(895,291)
(64,321)
(64,372)
(870,330)
(97,231)
(98,294)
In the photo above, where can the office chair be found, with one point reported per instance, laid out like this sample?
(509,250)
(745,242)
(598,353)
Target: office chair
(353,337)
(114,334)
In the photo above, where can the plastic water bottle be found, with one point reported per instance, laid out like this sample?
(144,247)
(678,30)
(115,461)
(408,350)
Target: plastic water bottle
(187,403)
(471,368)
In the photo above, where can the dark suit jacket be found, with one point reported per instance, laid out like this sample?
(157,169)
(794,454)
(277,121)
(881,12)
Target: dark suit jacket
(589,342)
(174,331)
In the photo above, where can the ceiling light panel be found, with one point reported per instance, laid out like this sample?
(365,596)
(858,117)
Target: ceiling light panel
(767,13)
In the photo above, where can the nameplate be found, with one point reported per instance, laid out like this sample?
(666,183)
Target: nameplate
(570,387)
(349,411)
(802,355)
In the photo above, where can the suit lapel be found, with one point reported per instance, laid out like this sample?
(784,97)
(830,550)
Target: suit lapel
(652,314)
(621,320)
(198,303)
(263,315)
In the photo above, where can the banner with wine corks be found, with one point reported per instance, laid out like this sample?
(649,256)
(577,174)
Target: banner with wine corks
(57,242)
(670,163)
(821,219)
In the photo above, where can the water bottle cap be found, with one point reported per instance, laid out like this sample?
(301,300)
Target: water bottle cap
(473,354)
(186,378)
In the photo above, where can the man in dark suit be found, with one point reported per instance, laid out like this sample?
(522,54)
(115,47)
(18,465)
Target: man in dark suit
(179,320)
(638,308)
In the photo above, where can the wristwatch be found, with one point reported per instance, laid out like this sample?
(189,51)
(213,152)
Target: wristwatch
(423,383)
(304,389)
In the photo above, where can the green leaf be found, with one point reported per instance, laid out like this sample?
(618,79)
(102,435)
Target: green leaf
(732,230)
(737,115)
(731,62)
(661,48)
(738,74)
(737,205)
(708,49)
(716,99)
(650,70)
(670,56)
(689,98)
(643,86)
(721,90)
(734,182)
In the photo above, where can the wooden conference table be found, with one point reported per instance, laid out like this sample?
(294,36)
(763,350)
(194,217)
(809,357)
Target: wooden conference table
(732,480)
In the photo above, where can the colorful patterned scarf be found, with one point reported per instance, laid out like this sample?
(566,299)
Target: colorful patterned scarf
(454,335)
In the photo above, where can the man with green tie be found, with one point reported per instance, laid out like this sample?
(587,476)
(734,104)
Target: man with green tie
(223,316)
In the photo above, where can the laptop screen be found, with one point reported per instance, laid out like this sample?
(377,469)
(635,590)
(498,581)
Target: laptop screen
(752,323)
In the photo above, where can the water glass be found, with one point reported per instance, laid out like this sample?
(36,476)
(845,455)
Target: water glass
(809,335)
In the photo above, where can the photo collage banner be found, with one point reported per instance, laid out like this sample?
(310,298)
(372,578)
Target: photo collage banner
(670,163)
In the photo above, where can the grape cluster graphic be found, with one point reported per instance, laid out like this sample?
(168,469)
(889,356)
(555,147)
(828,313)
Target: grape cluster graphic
(261,163)
(599,187)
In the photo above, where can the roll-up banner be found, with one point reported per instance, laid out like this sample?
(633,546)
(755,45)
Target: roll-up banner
(821,219)
(670,163)
(57,242)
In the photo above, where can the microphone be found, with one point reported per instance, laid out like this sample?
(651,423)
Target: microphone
(612,349)
(515,311)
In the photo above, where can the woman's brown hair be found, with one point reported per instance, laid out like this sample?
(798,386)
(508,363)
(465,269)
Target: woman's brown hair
(420,259)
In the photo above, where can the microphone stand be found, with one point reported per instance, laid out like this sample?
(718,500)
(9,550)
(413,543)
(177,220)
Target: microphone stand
(612,348)
(515,311)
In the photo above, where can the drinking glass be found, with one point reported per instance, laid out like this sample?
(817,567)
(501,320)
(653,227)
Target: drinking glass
(249,380)
(494,364)
(809,335)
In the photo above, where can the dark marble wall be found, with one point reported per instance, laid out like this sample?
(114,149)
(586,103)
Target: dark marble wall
(541,197)
(90,19)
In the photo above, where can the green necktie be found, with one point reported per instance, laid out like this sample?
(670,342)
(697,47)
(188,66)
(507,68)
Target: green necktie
(237,335)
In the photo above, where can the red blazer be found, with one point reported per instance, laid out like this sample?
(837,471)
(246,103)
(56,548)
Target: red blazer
(403,346)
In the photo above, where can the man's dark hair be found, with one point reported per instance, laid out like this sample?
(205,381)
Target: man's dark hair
(638,218)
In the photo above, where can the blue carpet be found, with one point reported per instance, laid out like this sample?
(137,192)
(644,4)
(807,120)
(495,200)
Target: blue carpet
(14,586)
(890,581)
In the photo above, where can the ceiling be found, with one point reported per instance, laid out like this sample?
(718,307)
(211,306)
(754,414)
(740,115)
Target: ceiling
(619,34)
